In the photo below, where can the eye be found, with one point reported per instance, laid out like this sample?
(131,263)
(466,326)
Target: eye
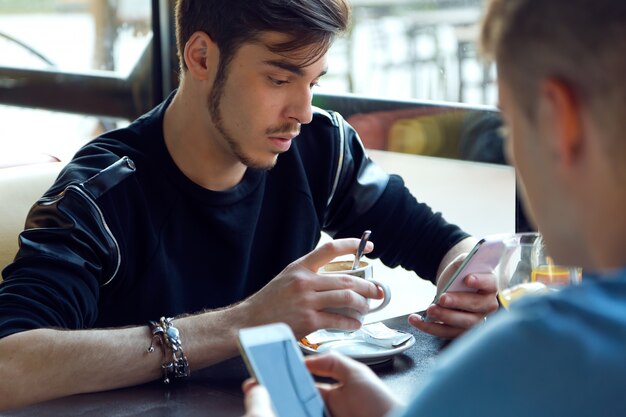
(277,82)
(314,84)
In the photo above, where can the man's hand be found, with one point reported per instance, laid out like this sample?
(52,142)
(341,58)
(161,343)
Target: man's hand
(357,392)
(299,295)
(457,312)
(257,400)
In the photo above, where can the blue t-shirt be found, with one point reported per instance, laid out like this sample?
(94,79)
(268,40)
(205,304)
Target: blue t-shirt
(562,354)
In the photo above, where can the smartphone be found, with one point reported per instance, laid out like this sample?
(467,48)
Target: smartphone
(482,259)
(274,359)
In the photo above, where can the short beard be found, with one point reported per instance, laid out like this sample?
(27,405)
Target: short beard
(214,106)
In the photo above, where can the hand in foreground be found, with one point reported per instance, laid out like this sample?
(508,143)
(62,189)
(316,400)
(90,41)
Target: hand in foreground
(257,400)
(457,312)
(358,392)
(299,295)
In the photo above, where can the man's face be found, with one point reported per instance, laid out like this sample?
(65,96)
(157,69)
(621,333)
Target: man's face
(515,141)
(530,147)
(260,100)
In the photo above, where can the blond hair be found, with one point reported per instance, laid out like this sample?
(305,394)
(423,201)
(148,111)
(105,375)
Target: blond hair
(580,42)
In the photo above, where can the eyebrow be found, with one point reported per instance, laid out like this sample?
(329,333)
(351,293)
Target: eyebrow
(288,66)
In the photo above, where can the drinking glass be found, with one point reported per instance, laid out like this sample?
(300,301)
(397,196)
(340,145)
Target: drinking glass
(526,268)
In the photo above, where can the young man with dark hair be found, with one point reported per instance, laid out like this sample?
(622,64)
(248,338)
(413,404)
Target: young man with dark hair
(189,213)
(562,93)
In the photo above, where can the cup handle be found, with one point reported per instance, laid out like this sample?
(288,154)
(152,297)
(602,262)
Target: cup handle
(387,297)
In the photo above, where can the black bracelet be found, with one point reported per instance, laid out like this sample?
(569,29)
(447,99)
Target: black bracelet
(169,338)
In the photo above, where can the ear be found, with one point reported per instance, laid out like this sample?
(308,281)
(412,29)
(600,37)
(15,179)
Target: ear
(564,118)
(201,55)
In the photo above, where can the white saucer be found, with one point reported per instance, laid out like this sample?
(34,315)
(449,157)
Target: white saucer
(360,350)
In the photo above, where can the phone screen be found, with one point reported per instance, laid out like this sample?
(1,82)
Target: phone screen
(274,359)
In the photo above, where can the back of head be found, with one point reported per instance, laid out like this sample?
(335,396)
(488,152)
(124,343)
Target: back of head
(230,23)
(579,42)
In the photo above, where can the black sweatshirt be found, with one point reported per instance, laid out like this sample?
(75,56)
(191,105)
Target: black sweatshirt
(124,237)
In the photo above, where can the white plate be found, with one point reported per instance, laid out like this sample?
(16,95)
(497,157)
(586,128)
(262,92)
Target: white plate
(360,350)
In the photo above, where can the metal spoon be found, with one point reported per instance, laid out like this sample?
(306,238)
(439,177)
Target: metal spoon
(357,257)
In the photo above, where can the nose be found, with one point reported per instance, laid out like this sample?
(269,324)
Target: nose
(300,107)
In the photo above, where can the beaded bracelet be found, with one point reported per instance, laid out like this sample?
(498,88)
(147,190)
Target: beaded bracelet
(169,338)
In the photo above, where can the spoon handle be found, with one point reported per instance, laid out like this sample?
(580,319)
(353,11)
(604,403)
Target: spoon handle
(357,258)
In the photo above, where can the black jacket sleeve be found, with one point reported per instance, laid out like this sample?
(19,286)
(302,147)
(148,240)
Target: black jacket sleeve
(406,232)
(67,252)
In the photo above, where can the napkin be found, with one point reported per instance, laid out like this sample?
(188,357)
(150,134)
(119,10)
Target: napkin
(375,333)
(381,335)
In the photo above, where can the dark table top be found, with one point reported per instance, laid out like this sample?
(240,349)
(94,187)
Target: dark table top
(216,391)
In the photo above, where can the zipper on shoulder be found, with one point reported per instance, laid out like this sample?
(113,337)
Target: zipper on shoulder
(340,159)
(104,223)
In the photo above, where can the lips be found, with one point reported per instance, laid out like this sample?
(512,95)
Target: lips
(284,136)
(281,144)
(282,141)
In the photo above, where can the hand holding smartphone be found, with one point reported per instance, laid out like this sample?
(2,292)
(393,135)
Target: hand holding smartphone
(482,259)
(274,359)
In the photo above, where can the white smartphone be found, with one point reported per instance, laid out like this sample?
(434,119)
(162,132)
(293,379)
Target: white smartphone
(482,259)
(274,359)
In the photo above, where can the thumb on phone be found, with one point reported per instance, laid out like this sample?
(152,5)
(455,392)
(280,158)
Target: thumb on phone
(257,400)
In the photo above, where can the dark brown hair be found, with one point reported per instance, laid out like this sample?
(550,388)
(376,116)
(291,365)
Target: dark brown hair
(231,23)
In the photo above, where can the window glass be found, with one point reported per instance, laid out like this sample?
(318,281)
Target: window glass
(412,49)
(88,37)
(74,35)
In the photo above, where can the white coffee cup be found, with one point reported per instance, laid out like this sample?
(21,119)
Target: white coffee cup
(365,271)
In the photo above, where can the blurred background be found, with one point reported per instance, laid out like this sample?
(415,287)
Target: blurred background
(70,69)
